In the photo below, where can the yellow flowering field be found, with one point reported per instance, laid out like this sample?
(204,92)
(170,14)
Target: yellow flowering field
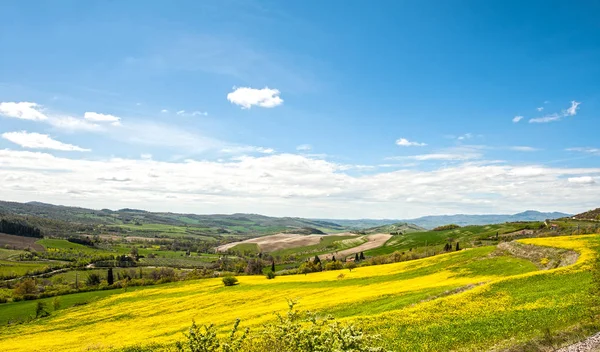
(468,300)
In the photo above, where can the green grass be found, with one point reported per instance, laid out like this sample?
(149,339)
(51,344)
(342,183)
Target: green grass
(327,244)
(10,253)
(246,248)
(21,268)
(466,236)
(19,311)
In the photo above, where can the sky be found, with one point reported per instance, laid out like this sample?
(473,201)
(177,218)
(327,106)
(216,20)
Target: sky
(322,109)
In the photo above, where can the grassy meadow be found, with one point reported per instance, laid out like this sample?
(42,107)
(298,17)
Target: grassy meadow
(473,300)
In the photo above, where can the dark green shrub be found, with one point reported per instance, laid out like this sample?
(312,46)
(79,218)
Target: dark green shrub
(230,280)
(270,275)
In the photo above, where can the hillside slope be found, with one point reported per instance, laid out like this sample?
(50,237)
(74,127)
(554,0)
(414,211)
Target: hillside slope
(470,300)
(588,215)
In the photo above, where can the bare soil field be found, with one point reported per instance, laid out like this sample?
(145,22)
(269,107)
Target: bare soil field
(373,241)
(19,242)
(281,241)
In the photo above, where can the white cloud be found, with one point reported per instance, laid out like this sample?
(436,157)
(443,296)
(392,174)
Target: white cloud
(517,119)
(164,111)
(304,147)
(292,185)
(247,149)
(520,148)
(70,124)
(22,110)
(180,112)
(199,113)
(406,143)
(146,156)
(465,136)
(587,180)
(572,111)
(593,151)
(444,156)
(541,108)
(545,119)
(39,141)
(247,97)
(97,117)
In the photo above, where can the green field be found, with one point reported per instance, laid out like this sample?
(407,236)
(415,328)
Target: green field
(467,236)
(327,244)
(472,300)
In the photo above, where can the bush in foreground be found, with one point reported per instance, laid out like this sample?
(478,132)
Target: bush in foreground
(230,280)
(293,332)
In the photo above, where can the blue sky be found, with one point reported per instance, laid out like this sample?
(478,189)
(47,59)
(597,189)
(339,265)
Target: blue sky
(302,108)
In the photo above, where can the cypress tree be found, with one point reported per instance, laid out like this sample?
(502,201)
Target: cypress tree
(356,259)
(273,266)
(333,258)
(316,260)
(457,247)
(362,256)
(110,278)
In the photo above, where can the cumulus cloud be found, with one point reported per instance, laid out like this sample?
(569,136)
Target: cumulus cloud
(517,119)
(39,141)
(403,142)
(22,110)
(291,184)
(247,97)
(586,180)
(465,136)
(541,108)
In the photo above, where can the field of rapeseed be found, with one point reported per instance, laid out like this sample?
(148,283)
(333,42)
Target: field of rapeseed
(469,300)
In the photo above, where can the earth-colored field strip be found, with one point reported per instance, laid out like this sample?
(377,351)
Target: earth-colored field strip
(279,241)
(373,241)
(501,300)
(19,242)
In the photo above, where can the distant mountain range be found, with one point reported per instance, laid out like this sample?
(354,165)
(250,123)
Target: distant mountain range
(432,221)
(253,223)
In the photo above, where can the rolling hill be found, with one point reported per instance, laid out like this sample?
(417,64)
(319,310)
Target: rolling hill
(433,221)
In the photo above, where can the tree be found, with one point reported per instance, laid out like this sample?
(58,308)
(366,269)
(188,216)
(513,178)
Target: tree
(40,310)
(457,247)
(110,277)
(134,252)
(356,258)
(273,266)
(93,280)
(254,267)
(333,258)
(316,260)
(350,266)
(25,287)
(56,303)
(270,275)
(362,256)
